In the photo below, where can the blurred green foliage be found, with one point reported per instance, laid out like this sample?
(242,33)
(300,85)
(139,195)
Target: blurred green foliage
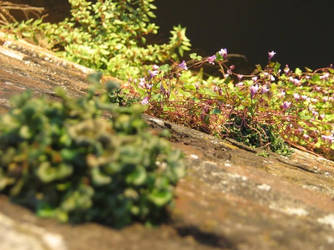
(107,35)
(86,159)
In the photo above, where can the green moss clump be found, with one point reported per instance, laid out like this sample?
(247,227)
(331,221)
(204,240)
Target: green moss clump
(86,159)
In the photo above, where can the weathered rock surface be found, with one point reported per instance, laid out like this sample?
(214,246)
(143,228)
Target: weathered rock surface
(231,198)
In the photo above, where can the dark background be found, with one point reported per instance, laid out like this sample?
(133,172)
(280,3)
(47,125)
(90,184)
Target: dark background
(300,31)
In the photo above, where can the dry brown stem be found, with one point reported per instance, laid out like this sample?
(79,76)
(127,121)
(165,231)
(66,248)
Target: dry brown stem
(6,8)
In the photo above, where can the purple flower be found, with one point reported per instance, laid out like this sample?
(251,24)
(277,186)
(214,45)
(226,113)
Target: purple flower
(295,81)
(272,78)
(154,72)
(286,105)
(315,113)
(254,89)
(218,90)
(155,67)
(183,65)
(212,59)
(239,84)
(240,77)
(296,96)
(306,136)
(197,86)
(300,130)
(271,54)
(328,138)
(145,100)
(265,89)
(286,69)
(223,53)
(314,100)
(282,94)
(142,82)
(324,76)
(254,78)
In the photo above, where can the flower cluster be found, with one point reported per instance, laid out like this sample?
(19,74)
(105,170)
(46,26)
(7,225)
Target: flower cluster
(297,104)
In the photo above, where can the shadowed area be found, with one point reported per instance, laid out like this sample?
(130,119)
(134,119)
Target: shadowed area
(300,31)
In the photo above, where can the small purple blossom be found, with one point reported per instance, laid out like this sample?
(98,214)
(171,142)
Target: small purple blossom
(306,136)
(223,53)
(145,85)
(254,89)
(239,84)
(155,67)
(196,86)
(286,105)
(304,97)
(265,89)
(183,65)
(271,54)
(324,76)
(315,113)
(240,77)
(314,100)
(300,130)
(296,96)
(154,72)
(212,59)
(254,78)
(272,78)
(282,94)
(218,90)
(142,82)
(145,100)
(328,138)
(295,81)
(163,90)
(286,69)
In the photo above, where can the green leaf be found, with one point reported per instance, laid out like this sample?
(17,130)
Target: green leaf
(99,178)
(298,72)
(216,111)
(160,197)
(137,177)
